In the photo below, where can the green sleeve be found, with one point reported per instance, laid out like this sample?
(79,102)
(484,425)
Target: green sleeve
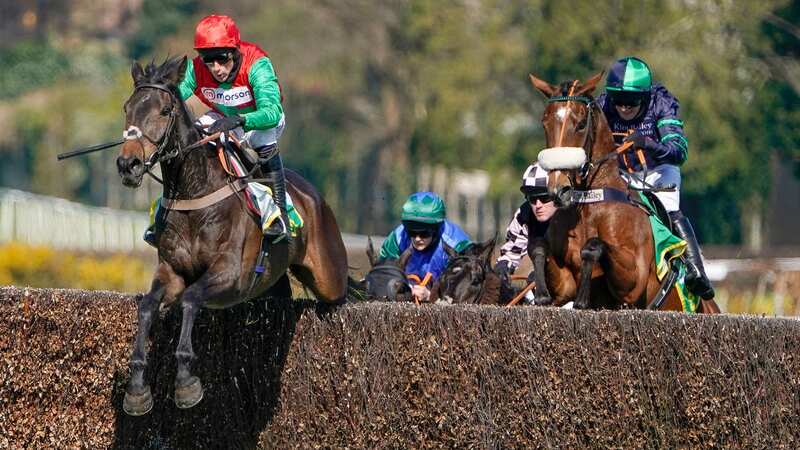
(267,94)
(188,84)
(390,249)
(462,245)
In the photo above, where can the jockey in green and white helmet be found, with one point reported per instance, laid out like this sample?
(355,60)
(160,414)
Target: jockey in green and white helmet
(646,114)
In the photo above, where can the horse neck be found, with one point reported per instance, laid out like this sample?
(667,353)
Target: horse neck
(490,294)
(607,174)
(193,173)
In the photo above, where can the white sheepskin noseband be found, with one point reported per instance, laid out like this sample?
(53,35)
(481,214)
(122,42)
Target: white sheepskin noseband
(562,158)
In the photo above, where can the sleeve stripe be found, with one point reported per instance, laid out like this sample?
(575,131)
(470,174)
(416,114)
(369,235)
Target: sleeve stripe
(675,122)
(681,139)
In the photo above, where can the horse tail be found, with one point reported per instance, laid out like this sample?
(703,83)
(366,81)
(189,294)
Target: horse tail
(592,251)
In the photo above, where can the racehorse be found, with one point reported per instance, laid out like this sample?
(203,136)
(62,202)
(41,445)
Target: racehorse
(468,277)
(209,245)
(386,277)
(604,247)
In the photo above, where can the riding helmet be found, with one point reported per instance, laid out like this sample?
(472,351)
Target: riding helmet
(534,180)
(216,31)
(424,207)
(629,81)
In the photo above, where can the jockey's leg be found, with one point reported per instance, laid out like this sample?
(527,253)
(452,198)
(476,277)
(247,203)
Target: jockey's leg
(272,167)
(265,143)
(156,222)
(696,279)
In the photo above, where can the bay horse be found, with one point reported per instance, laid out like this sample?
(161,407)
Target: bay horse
(208,249)
(599,240)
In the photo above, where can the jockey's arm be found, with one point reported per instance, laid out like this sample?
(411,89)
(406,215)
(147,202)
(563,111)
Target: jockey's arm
(188,84)
(672,146)
(516,244)
(267,95)
(390,249)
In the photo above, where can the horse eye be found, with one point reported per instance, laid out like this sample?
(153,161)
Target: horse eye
(582,125)
(166,110)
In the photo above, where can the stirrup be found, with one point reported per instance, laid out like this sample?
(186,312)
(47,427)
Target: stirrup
(150,237)
(277,230)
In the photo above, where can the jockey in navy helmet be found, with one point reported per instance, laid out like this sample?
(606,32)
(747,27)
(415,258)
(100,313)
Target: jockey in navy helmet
(646,114)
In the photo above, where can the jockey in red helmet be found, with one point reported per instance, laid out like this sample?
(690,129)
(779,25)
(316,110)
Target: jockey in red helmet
(237,81)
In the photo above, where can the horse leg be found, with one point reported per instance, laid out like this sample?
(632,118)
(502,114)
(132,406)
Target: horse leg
(591,253)
(188,388)
(138,398)
(537,251)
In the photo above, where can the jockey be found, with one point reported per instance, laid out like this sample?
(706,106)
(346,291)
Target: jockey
(424,232)
(530,220)
(633,104)
(237,81)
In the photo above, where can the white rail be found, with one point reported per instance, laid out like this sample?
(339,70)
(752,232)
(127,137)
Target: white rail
(41,220)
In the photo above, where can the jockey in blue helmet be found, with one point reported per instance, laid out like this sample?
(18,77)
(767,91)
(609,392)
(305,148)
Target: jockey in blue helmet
(646,114)
(424,232)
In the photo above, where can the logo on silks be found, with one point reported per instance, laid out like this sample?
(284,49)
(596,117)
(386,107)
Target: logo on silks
(236,96)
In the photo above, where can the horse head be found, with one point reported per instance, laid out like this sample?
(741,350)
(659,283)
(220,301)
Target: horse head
(577,135)
(387,277)
(468,275)
(156,120)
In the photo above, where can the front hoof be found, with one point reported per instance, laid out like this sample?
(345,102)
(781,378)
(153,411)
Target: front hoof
(544,300)
(580,305)
(138,404)
(190,394)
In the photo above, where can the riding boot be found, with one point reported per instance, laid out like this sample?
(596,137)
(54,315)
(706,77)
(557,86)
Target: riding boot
(272,169)
(156,223)
(696,279)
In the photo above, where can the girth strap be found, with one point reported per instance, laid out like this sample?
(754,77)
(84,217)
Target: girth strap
(206,200)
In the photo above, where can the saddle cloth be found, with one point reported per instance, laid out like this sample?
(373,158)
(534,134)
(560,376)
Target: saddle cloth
(260,201)
(668,250)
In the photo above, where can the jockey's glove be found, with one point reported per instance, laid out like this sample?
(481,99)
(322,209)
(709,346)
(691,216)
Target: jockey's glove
(226,123)
(639,140)
(501,269)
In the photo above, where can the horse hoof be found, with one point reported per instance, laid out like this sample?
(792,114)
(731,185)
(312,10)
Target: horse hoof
(190,394)
(543,301)
(138,404)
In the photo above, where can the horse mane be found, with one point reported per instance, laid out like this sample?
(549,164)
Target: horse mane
(566,87)
(161,73)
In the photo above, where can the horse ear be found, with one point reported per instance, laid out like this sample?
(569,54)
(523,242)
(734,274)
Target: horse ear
(137,72)
(177,71)
(544,87)
(487,249)
(404,257)
(449,250)
(590,84)
(370,251)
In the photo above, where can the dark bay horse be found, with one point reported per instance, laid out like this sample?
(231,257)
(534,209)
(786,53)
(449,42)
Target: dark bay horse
(468,277)
(207,250)
(387,278)
(604,247)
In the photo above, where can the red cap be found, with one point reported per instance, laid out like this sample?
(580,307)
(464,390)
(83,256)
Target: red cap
(216,31)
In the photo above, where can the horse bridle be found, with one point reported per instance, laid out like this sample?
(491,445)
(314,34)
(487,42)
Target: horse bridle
(588,137)
(483,269)
(135,133)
